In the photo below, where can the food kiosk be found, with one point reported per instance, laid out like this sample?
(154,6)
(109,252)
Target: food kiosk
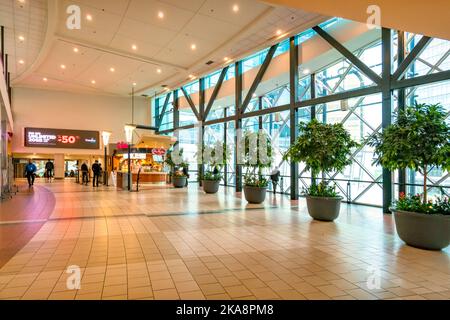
(147,160)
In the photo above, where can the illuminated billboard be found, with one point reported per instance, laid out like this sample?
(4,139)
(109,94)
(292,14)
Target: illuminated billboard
(61,138)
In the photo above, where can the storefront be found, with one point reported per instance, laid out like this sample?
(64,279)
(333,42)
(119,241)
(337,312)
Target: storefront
(146,161)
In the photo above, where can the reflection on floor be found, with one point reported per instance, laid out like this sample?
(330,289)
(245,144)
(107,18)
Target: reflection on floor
(164,243)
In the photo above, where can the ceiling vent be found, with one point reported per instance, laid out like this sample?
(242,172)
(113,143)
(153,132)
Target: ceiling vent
(210,62)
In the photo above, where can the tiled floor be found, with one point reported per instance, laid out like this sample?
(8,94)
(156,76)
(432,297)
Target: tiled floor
(164,243)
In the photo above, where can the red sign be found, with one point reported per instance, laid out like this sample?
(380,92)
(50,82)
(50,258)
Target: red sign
(158,151)
(122,145)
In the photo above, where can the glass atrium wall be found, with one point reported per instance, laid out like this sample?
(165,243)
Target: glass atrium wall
(330,88)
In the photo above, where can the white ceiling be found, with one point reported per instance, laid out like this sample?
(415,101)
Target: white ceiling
(163,55)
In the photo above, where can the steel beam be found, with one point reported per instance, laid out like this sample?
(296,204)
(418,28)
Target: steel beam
(2,44)
(415,52)
(349,55)
(261,72)
(386,55)
(421,80)
(201,93)
(238,122)
(293,116)
(191,103)
(161,115)
(339,96)
(215,92)
(401,101)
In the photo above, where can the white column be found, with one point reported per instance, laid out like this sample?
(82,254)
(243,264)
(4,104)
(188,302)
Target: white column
(59,166)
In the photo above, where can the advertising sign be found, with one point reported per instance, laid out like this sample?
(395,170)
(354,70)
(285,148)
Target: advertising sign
(61,138)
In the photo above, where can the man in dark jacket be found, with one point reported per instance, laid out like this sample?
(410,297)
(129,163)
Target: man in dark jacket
(96,170)
(30,172)
(49,170)
(84,172)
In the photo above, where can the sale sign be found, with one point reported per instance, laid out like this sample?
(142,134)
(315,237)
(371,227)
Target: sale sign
(61,138)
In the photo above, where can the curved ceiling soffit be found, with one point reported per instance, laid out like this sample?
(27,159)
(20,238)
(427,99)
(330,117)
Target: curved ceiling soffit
(52,22)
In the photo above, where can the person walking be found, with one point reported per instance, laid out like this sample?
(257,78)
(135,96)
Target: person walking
(96,169)
(275,178)
(49,167)
(84,172)
(30,172)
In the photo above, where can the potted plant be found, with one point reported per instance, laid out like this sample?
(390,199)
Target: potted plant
(323,148)
(215,158)
(177,174)
(418,140)
(179,179)
(257,157)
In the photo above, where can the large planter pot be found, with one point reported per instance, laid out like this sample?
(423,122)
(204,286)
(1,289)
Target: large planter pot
(179,182)
(425,231)
(322,208)
(255,194)
(211,186)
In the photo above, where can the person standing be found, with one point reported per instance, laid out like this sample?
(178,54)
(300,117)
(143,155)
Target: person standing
(30,172)
(275,177)
(96,169)
(49,167)
(185,168)
(84,172)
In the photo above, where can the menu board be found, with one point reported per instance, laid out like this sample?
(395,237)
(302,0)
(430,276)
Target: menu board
(61,138)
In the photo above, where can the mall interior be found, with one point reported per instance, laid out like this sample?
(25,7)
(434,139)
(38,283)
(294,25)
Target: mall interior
(126,83)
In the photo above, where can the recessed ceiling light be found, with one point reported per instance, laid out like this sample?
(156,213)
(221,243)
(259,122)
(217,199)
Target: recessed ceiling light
(93,81)
(63,66)
(306,71)
(191,76)
(21,1)
(158,70)
(134,47)
(160,14)
(134,84)
(45,79)
(75,50)
(193,46)
(21,38)
(235,8)
(226,59)
(21,61)
(112,69)
(279,32)
(88,17)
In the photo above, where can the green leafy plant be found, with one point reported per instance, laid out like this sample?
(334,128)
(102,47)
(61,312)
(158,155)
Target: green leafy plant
(419,140)
(321,190)
(415,204)
(256,159)
(214,164)
(323,148)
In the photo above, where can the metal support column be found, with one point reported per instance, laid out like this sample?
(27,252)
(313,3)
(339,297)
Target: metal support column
(238,122)
(201,167)
(401,101)
(386,108)
(313,108)
(225,141)
(293,86)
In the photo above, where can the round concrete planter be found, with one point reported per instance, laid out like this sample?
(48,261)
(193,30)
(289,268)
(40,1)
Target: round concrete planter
(255,194)
(322,208)
(179,182)
(425,231)
(211,186)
